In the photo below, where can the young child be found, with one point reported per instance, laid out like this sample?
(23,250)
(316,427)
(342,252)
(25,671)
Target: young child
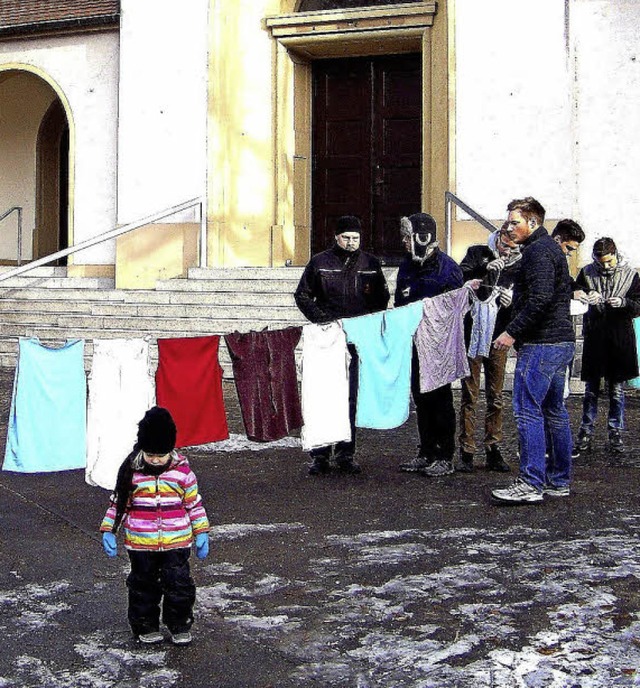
(157,503)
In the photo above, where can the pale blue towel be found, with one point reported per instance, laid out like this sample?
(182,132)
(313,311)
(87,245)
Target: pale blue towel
(384,344)
(48,417)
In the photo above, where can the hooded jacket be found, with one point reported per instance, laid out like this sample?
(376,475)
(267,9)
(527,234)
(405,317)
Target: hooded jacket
(437,275)
(164,512)
(474,266)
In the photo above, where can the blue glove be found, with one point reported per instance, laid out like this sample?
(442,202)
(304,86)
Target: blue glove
(109,544)
(202,545)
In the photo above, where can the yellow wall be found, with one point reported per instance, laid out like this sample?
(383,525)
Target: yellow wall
(240,180)
(154,252)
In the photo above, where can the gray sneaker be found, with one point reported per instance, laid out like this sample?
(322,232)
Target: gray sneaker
(151,638)
(519,492)
(415,465)
(181,638)
(438,468)
(556,490)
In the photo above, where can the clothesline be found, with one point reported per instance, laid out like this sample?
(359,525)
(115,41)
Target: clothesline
(51,428)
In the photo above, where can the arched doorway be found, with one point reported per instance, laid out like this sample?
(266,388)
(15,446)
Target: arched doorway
(36,144)
(52,187)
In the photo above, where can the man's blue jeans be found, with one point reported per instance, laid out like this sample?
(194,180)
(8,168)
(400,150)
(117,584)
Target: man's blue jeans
(590,405)
(538,403)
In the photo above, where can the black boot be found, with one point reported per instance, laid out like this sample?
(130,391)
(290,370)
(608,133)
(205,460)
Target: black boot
(346,464)
(495,460)
(466,462)
(582,444)
(320,461)
(616,445)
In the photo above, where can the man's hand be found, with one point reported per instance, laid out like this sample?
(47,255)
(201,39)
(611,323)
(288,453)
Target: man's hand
(497,264)
(505,297)
(473,284)
(615,302)
(504,342)
(581,296)
(594,298)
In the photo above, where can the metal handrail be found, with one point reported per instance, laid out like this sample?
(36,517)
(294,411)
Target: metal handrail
(18,209)
(452,198)
(119,231)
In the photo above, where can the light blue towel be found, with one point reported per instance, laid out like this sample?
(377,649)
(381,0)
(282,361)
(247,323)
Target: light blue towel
(384,344)
(48,417)
(635,382)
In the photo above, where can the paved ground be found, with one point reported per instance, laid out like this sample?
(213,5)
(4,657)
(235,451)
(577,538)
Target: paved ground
(383,579)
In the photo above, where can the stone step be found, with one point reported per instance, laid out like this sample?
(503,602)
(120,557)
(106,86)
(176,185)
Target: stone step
(58,282)
(263,286)
(42,271)
(42,311)
(129,328)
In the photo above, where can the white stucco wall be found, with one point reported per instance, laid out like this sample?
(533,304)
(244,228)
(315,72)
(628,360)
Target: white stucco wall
(85,68)
(24,99)
(513,105)
(163,105)
(606,44)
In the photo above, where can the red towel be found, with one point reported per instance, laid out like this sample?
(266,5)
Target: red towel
(189,385)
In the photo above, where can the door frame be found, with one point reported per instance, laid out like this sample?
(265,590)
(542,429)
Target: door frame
(299,38)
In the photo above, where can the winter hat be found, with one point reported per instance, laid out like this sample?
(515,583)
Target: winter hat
(421,229)
(157,431)
(419,223)
(348,223)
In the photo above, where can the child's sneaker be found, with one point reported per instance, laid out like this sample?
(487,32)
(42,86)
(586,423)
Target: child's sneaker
(181,638)
(151,638)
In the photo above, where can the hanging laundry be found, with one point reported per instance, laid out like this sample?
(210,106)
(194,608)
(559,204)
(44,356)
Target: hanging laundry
(189,386)
(121,390)
(47,419)
(483,314)
(325,386)
(383,341)
(264,370)
(440,339)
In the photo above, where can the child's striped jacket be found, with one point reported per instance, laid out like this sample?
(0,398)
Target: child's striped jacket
(164,512)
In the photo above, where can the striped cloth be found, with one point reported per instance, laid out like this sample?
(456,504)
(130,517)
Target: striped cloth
(164,512)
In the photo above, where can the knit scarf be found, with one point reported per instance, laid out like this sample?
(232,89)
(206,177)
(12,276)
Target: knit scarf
(614,283)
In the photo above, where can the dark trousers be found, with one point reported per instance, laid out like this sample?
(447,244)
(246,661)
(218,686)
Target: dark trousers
(344,451)
(436,417)
(160,576)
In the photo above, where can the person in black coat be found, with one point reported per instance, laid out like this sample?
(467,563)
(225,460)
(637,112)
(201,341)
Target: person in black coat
(609,352)
(426,272)
(494,266)
(342,282)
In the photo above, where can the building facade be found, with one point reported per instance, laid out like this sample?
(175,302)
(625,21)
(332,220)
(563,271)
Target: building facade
(284,114)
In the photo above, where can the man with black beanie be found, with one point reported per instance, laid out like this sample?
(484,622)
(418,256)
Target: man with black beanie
(342,282)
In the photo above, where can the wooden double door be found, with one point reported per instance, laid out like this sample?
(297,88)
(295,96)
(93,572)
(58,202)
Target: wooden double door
(367,145)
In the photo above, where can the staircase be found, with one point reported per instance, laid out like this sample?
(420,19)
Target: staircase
(47,304)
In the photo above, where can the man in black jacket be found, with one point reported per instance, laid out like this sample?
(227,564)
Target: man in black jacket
(342,282)
(542,330)
(494,265)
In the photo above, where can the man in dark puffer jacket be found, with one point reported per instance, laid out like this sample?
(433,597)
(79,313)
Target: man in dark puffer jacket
(542,331)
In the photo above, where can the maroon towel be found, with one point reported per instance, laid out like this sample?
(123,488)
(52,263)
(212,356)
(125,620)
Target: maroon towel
(189,385)
(264,369)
